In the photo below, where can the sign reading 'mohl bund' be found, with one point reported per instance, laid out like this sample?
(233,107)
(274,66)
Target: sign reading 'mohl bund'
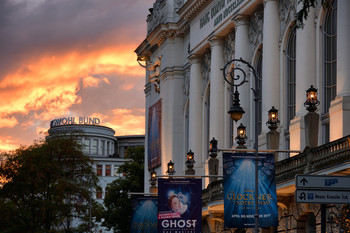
(74,121)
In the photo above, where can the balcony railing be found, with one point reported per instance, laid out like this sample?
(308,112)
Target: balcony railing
(311,160)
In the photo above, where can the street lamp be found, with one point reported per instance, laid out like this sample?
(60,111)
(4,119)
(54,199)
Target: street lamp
(213,148)
(273,121)
(238,77)
(153,180)
(190,163)
(171,170)
(311,102)
(190,160)
(241,137)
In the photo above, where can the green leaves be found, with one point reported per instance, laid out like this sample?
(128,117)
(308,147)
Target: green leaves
(49,183)
(118,203)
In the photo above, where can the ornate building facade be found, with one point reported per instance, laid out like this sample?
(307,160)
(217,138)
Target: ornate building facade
(188,44)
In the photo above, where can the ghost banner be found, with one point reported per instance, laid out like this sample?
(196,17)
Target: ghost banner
(239,190)
(144,215)
(179,205)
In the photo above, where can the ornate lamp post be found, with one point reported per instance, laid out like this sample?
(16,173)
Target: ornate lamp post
(190,163)
(241,137)
(311,102)
(171,170)
(153,182)
(311,118)
(273,121)
(273,136)
(238,77)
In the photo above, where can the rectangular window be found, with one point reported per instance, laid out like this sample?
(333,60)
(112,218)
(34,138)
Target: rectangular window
(101,150)
(99,170)
(108,148)
(108,170)
(99,193)
(86,146)
(116,171)
(94,147)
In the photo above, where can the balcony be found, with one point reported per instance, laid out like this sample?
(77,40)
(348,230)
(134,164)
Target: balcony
(332,155)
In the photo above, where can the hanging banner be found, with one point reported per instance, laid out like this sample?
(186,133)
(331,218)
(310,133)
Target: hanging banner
(239,190)
(179,205)
(154,135)
(144,215)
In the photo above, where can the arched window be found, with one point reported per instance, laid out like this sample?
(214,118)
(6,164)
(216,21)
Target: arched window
(290,80)
(329,63)
(258,68)
(290,75)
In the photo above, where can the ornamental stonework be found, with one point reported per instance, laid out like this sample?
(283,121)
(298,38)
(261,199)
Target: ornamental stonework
(256,28)
(229,47)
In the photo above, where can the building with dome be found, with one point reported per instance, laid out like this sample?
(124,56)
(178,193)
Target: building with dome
(99,143)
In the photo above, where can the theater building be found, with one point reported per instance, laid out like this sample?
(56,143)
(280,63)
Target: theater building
(187,45)
(99,143)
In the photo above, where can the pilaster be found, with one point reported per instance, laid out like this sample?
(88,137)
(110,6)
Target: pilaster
(271,59)
(242,51)
(195,109)
(343,48)
(216,128)
(305,60)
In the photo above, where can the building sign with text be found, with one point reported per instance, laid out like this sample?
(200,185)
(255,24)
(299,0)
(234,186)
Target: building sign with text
(211,18)
(75,121)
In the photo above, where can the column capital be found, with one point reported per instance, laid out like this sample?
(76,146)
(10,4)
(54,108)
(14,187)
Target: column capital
(241,20)
(216,41)
(194,58)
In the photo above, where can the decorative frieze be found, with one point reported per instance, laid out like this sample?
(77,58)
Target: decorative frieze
(187,76)
(229,47)
(256,28)
(205,69)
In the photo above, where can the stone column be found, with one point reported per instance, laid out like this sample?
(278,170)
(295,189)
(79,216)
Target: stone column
(171,92)
(305,77)
(271,59)
(195,109)
(339,110)
(217,91)
(216,122)
(242,51)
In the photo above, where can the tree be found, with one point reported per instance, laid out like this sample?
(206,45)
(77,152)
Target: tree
(118,203)
(303,13)
(48,184)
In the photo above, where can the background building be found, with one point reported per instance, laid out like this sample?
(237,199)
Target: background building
(187,99)
(99,143)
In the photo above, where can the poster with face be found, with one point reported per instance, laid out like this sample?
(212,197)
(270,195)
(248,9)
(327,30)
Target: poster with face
(179,205)
(239,190)
(144,215)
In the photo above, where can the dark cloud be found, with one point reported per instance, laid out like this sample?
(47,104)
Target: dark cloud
(28,30)
(33,31)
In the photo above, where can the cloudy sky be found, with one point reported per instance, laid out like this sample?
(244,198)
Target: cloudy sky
(70,58)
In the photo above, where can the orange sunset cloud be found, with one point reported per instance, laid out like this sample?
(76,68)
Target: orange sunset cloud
(70,65)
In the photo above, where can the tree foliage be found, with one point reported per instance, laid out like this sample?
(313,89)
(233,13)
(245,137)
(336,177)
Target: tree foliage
(118,202)
(48,184)
(303,13)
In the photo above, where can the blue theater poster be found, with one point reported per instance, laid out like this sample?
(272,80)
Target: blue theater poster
(154,135)
(179,205)
(239,194)
(144,215)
